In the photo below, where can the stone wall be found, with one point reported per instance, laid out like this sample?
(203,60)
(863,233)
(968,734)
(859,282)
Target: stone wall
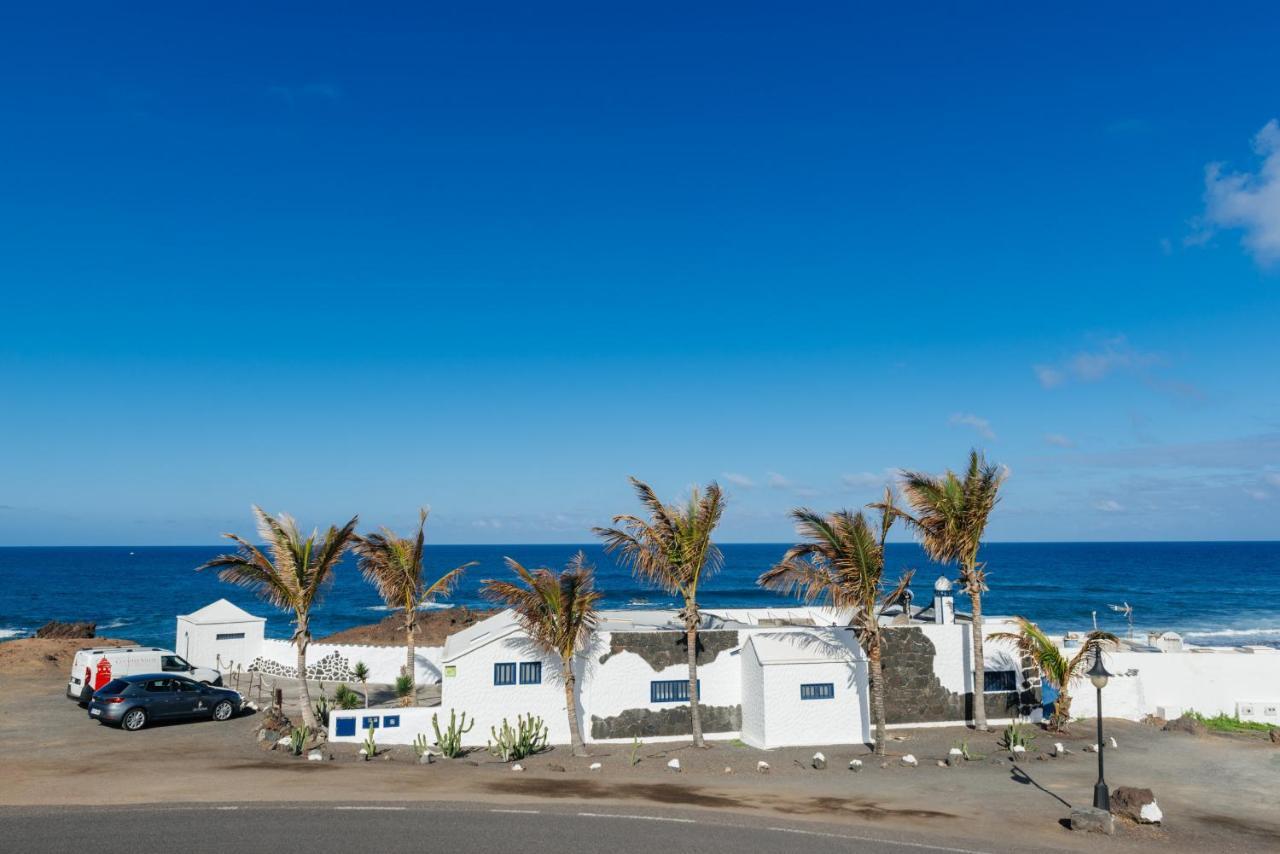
(666,649)
(648,723)
(914,693)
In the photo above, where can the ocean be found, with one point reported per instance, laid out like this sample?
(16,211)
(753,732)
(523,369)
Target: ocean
(1214,593)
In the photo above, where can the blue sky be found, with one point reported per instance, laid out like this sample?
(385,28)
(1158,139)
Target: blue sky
(494,259)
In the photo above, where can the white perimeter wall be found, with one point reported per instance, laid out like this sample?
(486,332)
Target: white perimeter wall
(384,662)
(754,713)
(790,721)
(1208,682)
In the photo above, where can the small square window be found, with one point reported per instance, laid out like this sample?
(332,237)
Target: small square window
(531,673)
(389,721)
(818,691)
(370,721)
(504,673)
(345,726)
(1000,682)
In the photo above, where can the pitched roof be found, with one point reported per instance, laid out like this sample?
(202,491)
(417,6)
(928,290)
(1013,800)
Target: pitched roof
(807,647)
(222,611)
(475,636)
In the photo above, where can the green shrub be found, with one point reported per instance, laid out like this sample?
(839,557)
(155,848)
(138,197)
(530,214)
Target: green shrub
(526,738)
(1017,735)
(404,689)
(1223,722)
(347,698)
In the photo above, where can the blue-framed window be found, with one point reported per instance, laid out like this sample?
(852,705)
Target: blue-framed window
(1000,681)
(818,691)
(504,673)
(389,721)
(345,726)
(671,691)
(531,673)
(369,721)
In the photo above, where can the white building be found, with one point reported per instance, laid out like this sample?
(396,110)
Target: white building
(220,635)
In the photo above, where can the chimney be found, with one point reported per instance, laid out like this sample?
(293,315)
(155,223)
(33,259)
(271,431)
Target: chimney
(944,607)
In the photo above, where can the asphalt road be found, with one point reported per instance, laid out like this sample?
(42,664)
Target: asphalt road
(348,829)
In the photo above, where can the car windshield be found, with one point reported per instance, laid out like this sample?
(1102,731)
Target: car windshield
(173,662)
(115,686)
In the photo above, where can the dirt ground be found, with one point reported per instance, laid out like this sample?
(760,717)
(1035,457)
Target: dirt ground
(1218,793)
(433,628)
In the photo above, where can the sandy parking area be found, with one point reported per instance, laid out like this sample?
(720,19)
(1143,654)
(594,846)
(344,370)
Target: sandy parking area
(1217,792)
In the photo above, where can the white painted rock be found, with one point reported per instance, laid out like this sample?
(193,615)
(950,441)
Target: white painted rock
(1112,742)
(956,752)
(1018,750)
(1150,814)
(855,764)
(595,766)
(762,767)
(728,770)
(674,764)
(942,763)
(284,742)
(364,752)
(517,767)
(315,756)
(819,761)
(1058,749)
(910,761)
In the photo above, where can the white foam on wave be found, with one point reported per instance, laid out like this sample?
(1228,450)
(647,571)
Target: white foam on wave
(425,606)
(115,624)
(11,633)
(1231,633)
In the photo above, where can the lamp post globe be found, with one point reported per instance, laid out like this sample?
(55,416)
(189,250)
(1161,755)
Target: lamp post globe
(1099,675)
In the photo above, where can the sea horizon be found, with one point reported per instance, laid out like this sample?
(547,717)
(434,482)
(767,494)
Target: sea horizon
(137,591)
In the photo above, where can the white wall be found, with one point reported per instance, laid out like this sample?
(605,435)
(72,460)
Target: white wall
(1208,682)
(754,712)
(384,662)
(413,721)
(791,721)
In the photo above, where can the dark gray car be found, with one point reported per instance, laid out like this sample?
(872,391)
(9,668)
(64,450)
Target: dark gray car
(132,702)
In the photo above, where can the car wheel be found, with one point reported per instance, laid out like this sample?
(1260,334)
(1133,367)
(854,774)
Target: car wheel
(85,696)
(223,711)
(134,719)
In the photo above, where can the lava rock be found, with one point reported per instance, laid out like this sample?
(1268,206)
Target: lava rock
(1092,820)
(1137,804)
(56,629)
(555,768)
(1185,724)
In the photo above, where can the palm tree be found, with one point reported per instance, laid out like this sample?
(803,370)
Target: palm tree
(842,564)
(673,551)
(950,517)
(558,611)
(291,579)
(361,673)
(393,565)
(1055,667)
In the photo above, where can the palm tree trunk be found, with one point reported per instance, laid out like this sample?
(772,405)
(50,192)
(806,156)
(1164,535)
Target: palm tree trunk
(979,665)
(304,693)
(410,664)
(691,636)
(877,693)
(571,706)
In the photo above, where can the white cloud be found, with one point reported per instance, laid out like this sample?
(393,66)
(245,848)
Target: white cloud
(1258,494)
(1048,376)
(981,425)
(1272,477)
(739,480)
(1113,355)
(867,479)
(1249,201)
(1109,506)
(777,481)
(1058,440)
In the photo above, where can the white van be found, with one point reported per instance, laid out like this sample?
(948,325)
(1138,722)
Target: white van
(93,668)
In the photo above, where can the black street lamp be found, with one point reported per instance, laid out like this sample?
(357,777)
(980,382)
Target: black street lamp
(1098,675)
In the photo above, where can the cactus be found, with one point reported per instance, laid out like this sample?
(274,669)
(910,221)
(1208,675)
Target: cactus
(298,739)
(370,746)
(636,744)
(322,710)
(526,738)
(450,742)
(1016,735)
(420,747)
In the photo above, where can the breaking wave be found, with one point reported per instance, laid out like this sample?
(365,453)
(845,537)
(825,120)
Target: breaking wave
(1232,633)
(425,606)
(11,633)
